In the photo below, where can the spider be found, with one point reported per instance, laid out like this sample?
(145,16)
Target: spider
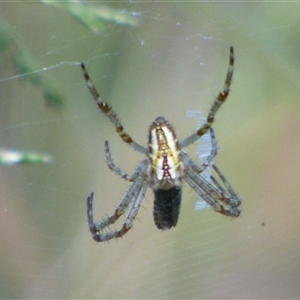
(164,169)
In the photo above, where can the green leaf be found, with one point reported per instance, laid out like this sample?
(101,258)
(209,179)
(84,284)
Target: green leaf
(12,157)
(94,17)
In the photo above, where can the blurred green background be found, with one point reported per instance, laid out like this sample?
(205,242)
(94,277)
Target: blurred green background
(149,59)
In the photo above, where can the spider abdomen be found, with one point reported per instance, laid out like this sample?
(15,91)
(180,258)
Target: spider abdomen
(166,207)
(164,151)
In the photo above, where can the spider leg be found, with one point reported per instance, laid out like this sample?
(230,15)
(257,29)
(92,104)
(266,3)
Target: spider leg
(215,106)
(209,159)
(107,110)
(135,207)
(212,195)
(234,200)
(120,172)
(135,194)
(119,211)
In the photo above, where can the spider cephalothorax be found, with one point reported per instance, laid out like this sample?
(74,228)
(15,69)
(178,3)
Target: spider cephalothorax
(165,167)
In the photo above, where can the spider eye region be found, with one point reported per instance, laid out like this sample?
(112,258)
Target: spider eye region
(164,151)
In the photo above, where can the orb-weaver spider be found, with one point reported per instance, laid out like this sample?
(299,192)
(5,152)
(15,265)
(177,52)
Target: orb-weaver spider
(164,169)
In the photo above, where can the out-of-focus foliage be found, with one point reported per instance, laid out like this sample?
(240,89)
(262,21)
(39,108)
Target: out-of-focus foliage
(27,65)
(13,157)
(96,17)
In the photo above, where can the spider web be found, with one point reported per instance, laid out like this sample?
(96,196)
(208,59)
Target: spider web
(149,59)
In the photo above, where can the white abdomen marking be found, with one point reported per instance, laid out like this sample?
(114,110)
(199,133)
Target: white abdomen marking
(163,150)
